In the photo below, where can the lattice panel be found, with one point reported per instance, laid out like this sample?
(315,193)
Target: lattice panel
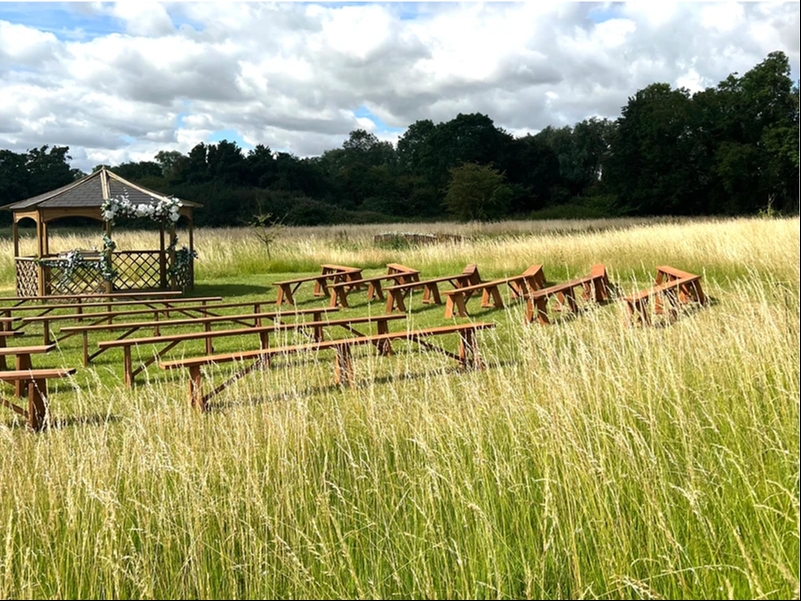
(27,278)
(137,270)
(83,280)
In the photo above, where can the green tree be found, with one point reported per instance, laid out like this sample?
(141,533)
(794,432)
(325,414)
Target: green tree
(477,192)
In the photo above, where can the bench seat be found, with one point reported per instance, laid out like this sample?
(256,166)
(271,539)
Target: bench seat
(467,356)
(339,291)
(594,286)
(246,319)
(396,294)
(672,288)
(336,273)
(521,285)
(263,332)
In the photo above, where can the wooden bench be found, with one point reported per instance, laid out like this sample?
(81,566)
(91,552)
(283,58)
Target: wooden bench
(335,273)
(78,308)
(521,285)
(396,294)
(594,286)
(23,358)
(79,298)
(467,356)
(263,332)
(247,319)
(35,380)
(100,317)
(397,273)
(672,288)
(689,290)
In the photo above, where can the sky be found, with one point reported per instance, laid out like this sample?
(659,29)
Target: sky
(119,82)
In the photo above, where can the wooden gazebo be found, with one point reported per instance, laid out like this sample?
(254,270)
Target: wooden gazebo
(48,274)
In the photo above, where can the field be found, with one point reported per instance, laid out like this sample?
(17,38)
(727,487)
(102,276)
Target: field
(589,460)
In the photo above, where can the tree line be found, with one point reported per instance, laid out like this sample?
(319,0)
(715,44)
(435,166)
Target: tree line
(730,149)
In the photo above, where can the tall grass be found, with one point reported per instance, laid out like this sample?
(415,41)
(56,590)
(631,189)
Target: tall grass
(589,460)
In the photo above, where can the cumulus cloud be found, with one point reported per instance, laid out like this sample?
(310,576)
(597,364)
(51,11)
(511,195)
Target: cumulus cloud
(297,77)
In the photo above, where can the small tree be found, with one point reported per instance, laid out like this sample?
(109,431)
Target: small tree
(477,192)
(266,229)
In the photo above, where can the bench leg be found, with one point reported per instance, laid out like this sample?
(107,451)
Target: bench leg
(638,312)
(21,363)
(320,286)
(395,301)
(455,303)
(343,370)
(431,294)
(196,399)
(469,357)
(3,365)
(570,297)
(374,290)
(285,295)
(540,305)
(127,366)
(384,346)
(491,297)
(37,407)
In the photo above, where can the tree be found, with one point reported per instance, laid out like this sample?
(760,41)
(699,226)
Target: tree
(169,161)
(477,192)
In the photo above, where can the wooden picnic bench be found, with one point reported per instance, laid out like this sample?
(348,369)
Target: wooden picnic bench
(35,380)
(246,319)
(22,361)
(520,285)
(79,298)
(8,311)
(672,288)
(263,332)
(397,293)
(335,273)
(467,356)
(399,274)
(101,317)
(594,286)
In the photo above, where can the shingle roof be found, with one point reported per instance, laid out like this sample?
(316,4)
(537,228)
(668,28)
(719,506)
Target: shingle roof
(89,192)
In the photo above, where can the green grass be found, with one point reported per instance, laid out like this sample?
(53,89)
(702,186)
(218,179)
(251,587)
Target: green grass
(589,460)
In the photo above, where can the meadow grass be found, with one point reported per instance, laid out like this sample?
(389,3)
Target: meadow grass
(589,460)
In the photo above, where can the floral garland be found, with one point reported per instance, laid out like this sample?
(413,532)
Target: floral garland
(161,210)
(112,208)
(183,258)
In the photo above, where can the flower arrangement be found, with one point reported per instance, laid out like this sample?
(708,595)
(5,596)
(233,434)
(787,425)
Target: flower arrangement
(161,210)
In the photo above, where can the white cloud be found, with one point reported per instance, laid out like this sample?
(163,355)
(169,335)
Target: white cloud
(290,76)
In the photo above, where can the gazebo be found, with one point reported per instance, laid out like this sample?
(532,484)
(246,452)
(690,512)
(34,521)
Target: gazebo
(105,270)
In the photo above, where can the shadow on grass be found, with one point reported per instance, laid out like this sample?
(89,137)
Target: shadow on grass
(215,407)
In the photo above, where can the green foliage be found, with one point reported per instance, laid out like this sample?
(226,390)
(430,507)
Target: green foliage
(477,193)
(724,150)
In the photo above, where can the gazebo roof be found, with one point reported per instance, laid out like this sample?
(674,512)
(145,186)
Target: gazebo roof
(91,192)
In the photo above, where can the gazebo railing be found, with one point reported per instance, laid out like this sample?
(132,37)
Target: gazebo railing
(135,270)
(27,269)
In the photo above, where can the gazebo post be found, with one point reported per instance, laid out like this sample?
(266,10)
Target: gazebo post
(15,235)
(162,257)
(109,285)
(40,254)
(172,255)
(191,251)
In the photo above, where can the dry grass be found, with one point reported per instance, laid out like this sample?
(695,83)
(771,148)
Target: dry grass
(590,460)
